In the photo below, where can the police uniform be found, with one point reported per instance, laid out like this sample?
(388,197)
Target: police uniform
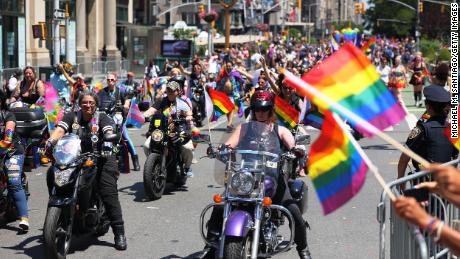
(427,139)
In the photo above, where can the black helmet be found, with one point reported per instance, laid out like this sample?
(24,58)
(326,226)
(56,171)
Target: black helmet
(179,79)
(262,99)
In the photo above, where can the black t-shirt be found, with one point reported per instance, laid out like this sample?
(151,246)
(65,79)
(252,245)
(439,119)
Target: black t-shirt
(109,99)
(72,120)
(6,117)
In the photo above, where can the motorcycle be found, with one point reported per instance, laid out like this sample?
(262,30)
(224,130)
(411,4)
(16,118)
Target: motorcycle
(74,206)
(252,225)
(164,163)
(198,104)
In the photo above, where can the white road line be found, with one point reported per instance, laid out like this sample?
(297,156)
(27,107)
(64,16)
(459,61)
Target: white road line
(411,120)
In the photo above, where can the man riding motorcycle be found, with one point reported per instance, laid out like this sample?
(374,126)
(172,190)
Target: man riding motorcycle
(173,105)
(109,98)
(262,108)
(81,123)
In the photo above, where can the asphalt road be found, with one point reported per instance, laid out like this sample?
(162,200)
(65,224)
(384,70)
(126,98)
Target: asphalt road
(168,228)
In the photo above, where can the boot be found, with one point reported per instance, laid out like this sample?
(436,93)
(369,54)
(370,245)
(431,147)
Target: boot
(136,165)
(304,253)
(120,238)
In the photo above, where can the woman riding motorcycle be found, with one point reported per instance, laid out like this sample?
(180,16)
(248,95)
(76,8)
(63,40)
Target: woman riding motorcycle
(82,123)
(11,147)
(262,103)
(29,89)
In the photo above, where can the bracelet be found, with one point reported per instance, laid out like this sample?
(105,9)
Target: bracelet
(438,231)
(429,227)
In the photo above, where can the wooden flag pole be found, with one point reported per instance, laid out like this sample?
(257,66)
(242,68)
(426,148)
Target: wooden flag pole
(353,117)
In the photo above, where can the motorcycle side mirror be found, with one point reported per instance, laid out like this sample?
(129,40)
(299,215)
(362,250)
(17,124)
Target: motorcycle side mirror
(302,139)
(111,137)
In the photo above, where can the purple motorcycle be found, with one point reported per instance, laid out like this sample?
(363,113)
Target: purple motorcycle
(252,226)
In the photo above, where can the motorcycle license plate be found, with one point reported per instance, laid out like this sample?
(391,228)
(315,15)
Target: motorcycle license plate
(271,164)
(157,123)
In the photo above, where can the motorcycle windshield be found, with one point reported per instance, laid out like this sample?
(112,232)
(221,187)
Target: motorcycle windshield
(258,150)
(67,149)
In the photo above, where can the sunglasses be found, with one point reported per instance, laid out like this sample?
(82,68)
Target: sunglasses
(262,109)
(110,80)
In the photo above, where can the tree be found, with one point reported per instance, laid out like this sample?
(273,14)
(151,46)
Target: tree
(381,9)
(435,21)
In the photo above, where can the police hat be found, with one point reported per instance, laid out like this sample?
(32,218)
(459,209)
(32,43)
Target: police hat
(436,94)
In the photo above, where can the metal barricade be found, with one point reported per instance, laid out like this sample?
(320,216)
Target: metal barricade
(407,241)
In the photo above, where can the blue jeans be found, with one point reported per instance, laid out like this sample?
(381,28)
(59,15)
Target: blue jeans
(14,169)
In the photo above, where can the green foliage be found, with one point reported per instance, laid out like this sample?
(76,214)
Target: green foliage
(183,34)
(202,50)
(295,33)
(389,10)
(444,55)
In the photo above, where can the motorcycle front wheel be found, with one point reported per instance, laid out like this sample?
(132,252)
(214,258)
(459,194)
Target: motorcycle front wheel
(237,247)
(154,180)
(57,233)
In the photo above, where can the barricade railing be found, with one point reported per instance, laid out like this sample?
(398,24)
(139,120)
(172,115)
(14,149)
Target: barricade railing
(408,241)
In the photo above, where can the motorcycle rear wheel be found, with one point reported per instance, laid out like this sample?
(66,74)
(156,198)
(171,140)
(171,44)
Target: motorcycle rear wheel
(154,182)
(57,233)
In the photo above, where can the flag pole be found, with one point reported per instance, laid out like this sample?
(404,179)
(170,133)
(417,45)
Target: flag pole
(366,159)
(353,117)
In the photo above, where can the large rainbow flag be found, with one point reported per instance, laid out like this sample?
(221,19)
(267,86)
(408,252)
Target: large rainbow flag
(336,165)
(222,103)
(349,79)
(287,115)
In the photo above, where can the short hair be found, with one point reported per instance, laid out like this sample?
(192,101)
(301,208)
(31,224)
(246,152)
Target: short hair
(88,93)
(442,71)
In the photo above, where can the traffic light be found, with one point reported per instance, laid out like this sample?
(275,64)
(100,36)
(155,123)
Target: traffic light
(442,8)
(420,7)
(201,8)
(363,8)
(357,8)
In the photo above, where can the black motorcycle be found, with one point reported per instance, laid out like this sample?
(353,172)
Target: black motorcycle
(74,206)
(198,104)
(164,163)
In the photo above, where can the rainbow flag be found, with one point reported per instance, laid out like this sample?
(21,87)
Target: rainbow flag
(222,103)
(287,115)
(369,44)
(336,165)
(454,141)
(314,119)
(135,116)
(349,79)
(5,148)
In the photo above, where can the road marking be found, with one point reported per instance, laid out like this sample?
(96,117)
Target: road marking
(393,163)
(153,208)
(411,120)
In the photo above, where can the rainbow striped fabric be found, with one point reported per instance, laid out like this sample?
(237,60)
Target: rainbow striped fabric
(370,44)
(454,141)
(5,147)
(349,79)
(222,103)
(287,115)
(335,165)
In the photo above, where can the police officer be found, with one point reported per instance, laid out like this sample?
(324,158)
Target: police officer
(111,97)
(427,139)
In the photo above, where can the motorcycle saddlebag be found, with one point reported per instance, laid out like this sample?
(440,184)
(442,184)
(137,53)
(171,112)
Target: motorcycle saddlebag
(299,192)
(29,121)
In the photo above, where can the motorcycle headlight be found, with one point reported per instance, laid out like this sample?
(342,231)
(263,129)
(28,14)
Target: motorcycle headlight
(62,177)
(242,183)
(157,135)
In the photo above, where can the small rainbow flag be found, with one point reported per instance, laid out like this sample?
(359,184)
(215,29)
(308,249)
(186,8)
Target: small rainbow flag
(96,86)
(369,44)
(5,148)
(222,103)
(135,116)
(287,115)
(348,79)
(336,165)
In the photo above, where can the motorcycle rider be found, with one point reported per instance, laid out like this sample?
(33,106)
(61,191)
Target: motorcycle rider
(80,123)
(174,104)
(111,96)
(262,108)
(11,147)
(133,86)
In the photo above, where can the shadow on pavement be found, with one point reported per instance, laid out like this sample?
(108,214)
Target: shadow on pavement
(191,256)
(35,251)
(83,242)
(137,190)
(379,147)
